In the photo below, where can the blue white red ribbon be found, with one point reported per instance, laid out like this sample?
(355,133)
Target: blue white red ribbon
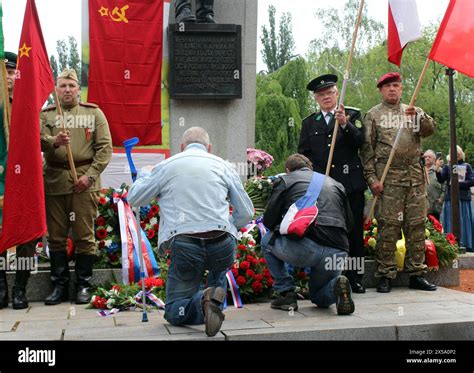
(152,297)
(105,313)
(128,236)
(234,290)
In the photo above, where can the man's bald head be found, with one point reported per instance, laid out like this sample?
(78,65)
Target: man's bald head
(195,135)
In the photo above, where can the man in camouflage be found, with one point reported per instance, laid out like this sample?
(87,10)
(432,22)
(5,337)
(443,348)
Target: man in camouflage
(68,204)
(402,197)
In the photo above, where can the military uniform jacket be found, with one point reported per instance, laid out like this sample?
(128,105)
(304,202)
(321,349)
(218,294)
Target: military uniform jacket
(315,143)
(381,124)
(90,141)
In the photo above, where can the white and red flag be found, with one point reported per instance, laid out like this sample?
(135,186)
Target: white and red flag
(403,27)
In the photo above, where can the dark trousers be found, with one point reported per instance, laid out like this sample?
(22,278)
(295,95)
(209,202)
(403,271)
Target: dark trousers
(356,236)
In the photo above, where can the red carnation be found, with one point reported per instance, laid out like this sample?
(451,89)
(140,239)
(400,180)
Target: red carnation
(102,200)
(263,261)
(100,221)
(259,277)
(243,230)
(244,265)
(101,233)
(250,273)
(241,280)
(116,287)
(235,272)
(242,247)
(438,226)
(237,256)
(366,240)
(269,281)
(99,302)
(451,238)
(266,272)
(367,225)
(150,215)
(151,233)
(251,243)
(257,287)
(156,227)
(154,209)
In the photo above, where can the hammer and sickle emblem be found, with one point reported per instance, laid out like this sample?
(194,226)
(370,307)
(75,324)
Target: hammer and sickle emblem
(120,14)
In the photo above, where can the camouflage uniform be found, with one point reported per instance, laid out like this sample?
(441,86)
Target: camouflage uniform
(403,201)
(91,147)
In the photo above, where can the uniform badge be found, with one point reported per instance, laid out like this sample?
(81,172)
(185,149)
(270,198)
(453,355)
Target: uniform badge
(358,124)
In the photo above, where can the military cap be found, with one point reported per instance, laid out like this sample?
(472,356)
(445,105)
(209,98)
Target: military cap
(323,81)
(69,74)
(389,78)
(10,60)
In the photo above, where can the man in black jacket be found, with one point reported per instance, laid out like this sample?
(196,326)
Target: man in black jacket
(324,247)
(346,168)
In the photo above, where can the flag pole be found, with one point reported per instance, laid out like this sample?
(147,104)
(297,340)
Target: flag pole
(70,159)
(344,84)
(453,161)
(397,138)
(6,105)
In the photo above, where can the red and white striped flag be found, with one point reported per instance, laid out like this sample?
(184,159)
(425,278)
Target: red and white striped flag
(403,27)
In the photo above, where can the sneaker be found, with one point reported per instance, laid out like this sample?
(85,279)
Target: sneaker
(286,301)
(212,299)
(344,303)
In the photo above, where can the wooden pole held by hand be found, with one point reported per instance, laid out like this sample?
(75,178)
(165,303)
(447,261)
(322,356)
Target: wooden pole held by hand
(70,159)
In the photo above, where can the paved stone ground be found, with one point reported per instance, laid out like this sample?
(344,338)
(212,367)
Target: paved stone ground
(401,315)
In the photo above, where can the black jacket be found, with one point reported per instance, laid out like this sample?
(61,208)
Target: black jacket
(334,218)
(315,141)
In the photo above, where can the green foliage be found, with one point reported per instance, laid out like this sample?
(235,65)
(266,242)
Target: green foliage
(277,50)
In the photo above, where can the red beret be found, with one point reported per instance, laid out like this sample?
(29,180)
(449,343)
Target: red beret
(389,78)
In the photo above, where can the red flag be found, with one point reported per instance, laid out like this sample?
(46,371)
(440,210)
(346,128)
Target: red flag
(453,44)
(403,27)
(24,217)
(126,48)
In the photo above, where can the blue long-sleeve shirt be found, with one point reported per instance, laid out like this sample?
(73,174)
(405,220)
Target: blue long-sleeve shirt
(464,186)
(194,189)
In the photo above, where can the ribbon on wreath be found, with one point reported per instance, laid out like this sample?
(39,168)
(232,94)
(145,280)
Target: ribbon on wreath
(128,236)
(234,290)
(431,256)
(257,223)
(152,297)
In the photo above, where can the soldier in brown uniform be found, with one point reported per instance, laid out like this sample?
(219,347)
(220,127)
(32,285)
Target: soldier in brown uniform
(68,204)
(402,203)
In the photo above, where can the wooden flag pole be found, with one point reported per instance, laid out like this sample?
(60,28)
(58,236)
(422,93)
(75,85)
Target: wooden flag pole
(70,159)
(397,139)
(6,105)
(344,84)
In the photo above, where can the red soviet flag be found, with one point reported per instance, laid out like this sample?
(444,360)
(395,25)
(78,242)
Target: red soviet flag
(24,217)
(126,52)
(453,46)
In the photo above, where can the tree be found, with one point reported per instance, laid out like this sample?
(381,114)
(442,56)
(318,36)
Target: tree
(277,50)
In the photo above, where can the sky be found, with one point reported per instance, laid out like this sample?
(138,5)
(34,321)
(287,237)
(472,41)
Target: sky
(61,18)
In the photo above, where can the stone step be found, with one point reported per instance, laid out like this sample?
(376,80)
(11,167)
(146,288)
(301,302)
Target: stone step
(39,285)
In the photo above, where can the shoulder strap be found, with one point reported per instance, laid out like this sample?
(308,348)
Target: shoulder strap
(312,194)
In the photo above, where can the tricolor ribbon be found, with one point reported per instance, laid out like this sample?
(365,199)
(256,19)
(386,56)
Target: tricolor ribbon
(234,290)
(104,313)
(257,223)
(128,236)
(152,297)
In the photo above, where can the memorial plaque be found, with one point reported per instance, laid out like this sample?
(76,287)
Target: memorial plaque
(205,61)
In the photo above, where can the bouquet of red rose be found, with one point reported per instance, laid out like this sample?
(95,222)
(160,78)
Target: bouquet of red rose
(446,246)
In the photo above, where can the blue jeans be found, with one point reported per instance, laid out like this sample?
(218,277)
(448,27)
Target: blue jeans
(325,263)
(188,263)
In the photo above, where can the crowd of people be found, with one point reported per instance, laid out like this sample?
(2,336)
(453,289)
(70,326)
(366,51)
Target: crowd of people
(195,189)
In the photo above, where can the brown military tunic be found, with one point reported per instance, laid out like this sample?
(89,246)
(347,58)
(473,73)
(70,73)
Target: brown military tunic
(91,146)
(403,201)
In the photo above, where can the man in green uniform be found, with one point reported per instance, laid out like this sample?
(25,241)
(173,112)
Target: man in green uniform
(402,197)
(24,252)
(68,204)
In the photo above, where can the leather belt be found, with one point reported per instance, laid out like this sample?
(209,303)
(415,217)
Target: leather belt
(65,165)
(196,237)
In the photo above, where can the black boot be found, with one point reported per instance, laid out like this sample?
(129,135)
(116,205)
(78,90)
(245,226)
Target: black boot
(205,12)
(420,283)
(183,11)
(385,285)
(3,281)
(59,278)
(84,264)
(19,300)
(355,280)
